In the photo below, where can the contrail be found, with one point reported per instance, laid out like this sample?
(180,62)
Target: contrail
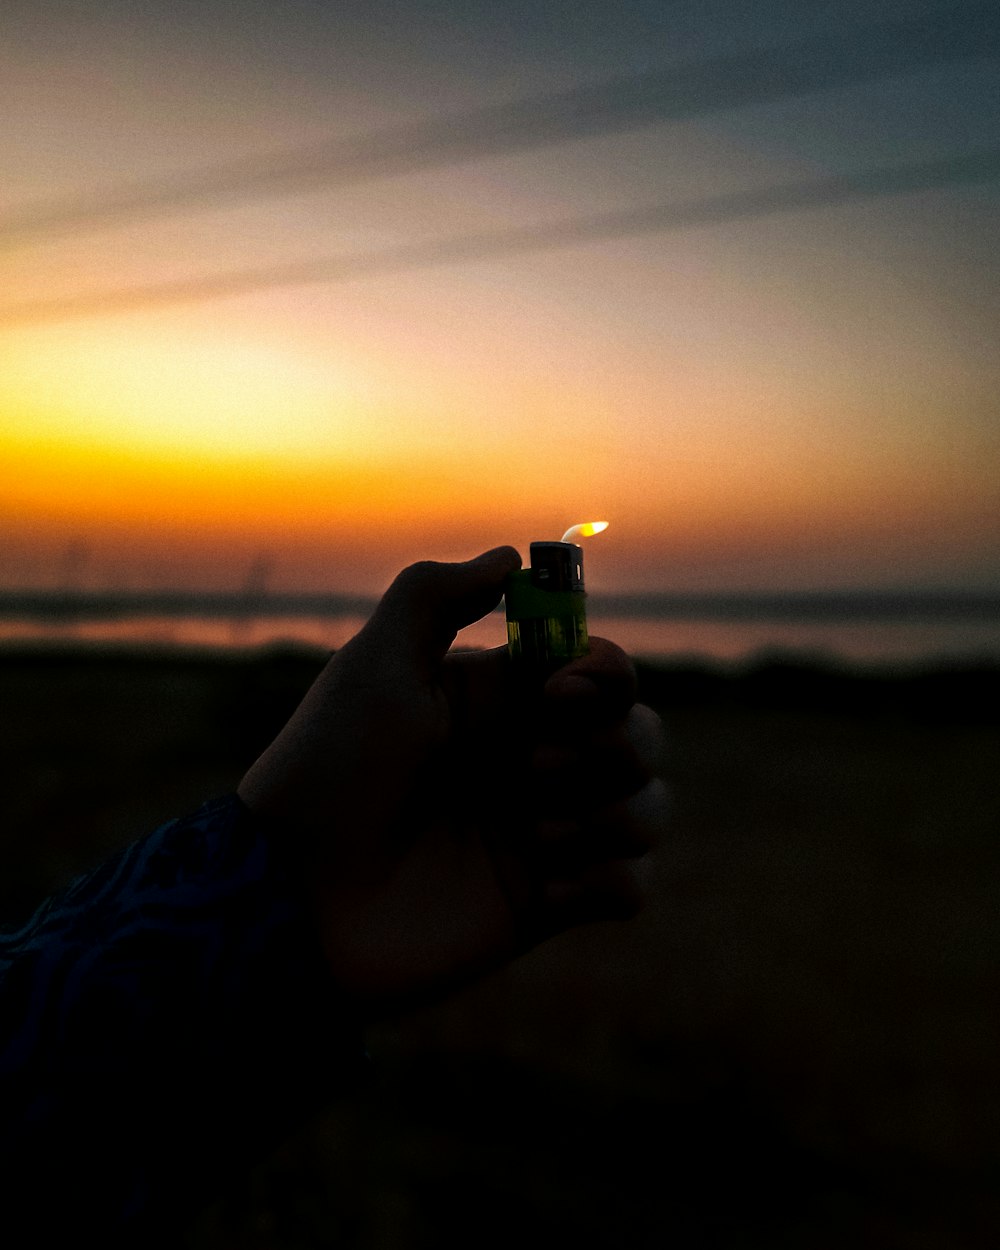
(976,167)
(668,94)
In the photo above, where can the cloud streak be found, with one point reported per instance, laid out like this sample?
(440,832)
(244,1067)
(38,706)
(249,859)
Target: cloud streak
(976,167)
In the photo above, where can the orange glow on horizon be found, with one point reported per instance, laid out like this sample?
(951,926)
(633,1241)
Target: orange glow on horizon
(214,438)
(377,507)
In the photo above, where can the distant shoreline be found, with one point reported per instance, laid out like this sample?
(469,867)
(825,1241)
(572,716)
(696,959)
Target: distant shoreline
(859,605)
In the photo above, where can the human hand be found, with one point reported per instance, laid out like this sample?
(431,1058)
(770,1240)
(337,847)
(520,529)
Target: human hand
(443,820)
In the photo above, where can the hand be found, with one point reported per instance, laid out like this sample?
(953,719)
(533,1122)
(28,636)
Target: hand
(443,819)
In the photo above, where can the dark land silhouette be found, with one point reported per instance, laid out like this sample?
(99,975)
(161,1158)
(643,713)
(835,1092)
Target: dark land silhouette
(795,1045)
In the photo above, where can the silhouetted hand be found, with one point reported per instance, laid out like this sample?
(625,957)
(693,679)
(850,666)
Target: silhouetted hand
(446,818)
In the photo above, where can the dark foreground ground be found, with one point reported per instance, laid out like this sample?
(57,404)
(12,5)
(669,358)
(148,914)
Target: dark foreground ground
(797,1045)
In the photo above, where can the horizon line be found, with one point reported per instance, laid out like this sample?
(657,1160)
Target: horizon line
(850,604)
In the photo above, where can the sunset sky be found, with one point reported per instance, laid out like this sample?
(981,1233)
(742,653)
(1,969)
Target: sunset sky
(775,390)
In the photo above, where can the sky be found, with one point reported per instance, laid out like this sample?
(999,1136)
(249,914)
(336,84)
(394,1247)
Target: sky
(327,288)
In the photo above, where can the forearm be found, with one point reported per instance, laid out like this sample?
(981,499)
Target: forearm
(162,1023)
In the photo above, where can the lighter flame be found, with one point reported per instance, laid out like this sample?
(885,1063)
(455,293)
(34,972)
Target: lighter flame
(587,530)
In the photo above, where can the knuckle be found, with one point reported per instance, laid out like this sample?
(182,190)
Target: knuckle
(648,737)
(417,575)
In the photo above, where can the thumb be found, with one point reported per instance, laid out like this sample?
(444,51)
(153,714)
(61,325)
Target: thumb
(428,603)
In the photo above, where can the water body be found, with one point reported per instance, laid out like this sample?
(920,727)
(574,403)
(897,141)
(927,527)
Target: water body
(892,637)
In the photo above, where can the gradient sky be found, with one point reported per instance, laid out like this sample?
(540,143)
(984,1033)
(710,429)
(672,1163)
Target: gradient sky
(784,399)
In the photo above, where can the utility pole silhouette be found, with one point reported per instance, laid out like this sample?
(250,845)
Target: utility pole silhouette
(254,592)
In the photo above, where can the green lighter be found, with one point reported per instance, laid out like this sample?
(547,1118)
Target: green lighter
(546,604)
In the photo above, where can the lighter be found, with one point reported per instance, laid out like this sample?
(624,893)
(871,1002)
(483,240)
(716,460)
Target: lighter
(546,603)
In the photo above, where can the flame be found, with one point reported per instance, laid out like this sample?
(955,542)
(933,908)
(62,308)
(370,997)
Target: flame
(587,530)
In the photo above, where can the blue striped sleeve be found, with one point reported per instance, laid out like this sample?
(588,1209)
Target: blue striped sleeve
(164,1022)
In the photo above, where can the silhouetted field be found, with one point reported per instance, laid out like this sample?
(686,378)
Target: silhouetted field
(795,1045)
